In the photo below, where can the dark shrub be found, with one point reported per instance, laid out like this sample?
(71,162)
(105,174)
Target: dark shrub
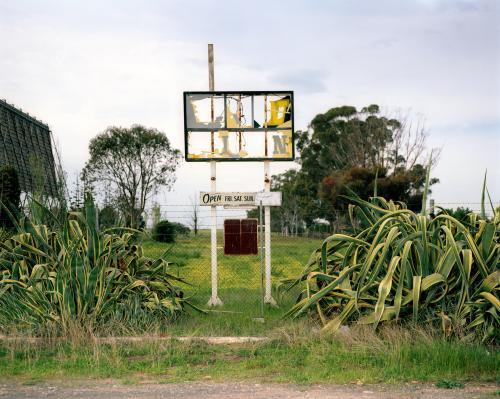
(461,213)
(164,231)
(108,217)
(181,229)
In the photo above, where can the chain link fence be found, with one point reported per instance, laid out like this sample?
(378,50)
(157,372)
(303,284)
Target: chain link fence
(239,276)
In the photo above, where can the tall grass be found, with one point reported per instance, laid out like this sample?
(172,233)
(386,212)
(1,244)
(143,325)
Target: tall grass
(391,355)
(400,265)
(66,274)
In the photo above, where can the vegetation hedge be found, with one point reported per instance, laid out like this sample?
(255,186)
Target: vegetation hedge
(75,275)
(400,265)
(165,231)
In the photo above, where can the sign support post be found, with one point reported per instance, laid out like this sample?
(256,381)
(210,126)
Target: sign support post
(262,295)
(231,115)
(214,299)
(268,298)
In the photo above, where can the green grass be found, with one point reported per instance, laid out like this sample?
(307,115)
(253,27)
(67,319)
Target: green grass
(239,283)
(295,354)
(285,359)
(447,384)
(192,257)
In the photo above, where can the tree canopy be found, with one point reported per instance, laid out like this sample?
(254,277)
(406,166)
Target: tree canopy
(134,163)
(347,150)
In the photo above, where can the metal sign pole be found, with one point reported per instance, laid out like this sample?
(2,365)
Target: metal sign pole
(214,299)
(262,295)
(268,298)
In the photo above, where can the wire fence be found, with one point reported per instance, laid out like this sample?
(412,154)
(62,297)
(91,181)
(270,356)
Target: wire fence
(239,277)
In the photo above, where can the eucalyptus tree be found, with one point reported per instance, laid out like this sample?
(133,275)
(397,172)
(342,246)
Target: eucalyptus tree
(133,162)
(347,149)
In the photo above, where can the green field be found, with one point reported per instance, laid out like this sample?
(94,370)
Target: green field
(239,282)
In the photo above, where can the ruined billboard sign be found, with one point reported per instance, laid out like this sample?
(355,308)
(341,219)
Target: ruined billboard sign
(26,145)
(239,126)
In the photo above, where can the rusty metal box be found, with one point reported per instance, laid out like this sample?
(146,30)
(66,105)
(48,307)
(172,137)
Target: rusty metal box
(240,237)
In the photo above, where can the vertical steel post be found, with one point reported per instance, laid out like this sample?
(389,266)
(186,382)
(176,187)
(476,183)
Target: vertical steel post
(268,298)
(261,239)
(214,299)
(239,123)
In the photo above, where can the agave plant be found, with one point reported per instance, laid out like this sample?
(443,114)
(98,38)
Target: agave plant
(403,265)
(73,273)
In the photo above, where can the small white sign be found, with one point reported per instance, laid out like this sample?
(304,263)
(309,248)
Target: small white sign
(268,198)
(227,199)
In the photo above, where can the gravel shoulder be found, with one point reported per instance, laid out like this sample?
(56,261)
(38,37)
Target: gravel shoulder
(111,389)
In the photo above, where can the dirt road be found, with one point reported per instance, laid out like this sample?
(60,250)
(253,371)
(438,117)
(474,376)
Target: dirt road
(209,390)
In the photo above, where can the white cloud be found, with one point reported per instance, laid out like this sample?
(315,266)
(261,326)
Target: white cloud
(81,66)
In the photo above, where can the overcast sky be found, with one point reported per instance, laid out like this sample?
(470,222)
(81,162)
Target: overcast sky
(81,66)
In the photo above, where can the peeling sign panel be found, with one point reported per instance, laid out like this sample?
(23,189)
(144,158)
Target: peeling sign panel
(239,126)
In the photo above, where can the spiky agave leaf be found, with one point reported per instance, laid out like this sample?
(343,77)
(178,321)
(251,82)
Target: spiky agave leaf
(76,273)
(400,265)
